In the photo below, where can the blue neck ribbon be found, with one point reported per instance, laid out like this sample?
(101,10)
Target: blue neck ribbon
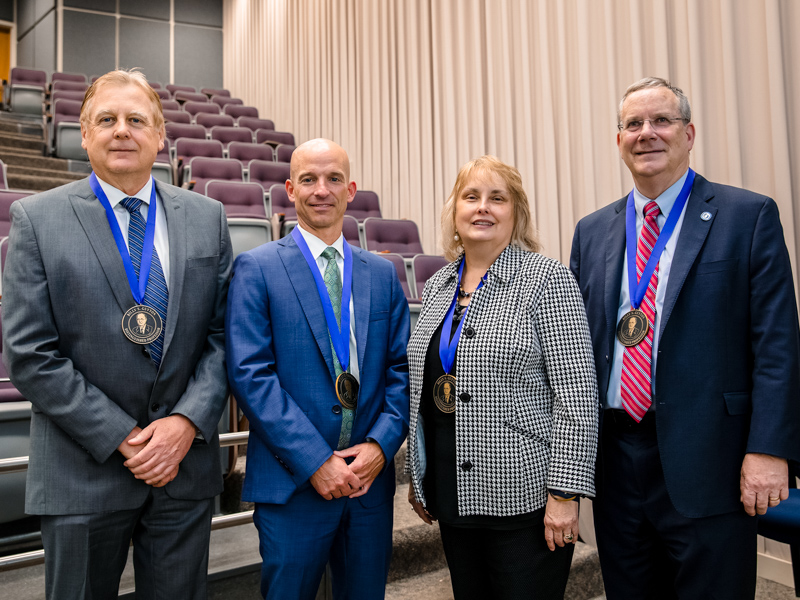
(137,287)
(637,290)
(447,347)
(340,337)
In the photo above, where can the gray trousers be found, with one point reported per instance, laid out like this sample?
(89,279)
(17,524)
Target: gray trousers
(86,554)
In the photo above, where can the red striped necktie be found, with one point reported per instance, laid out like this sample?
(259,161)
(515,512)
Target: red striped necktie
(637,360)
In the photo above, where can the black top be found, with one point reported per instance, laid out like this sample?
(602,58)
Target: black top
(440,483)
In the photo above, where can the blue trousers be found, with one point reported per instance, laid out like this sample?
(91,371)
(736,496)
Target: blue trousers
(298,538)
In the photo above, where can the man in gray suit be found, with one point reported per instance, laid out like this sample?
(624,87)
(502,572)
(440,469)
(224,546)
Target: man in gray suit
(124,443)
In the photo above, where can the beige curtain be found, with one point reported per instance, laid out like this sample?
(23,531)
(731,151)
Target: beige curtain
(415,88)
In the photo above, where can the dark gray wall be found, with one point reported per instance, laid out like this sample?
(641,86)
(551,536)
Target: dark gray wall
(152,9)
(36,34)
(198,56)
(89,42)
(7,10)
(145,44)
(199,12)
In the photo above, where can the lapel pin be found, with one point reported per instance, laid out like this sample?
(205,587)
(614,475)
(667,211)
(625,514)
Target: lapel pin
(706,216)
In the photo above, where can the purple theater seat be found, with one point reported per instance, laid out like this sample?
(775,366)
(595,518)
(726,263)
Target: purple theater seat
(67,95)
(254,123)
(223,101)
(204,170)
(240,199)
(7,198)
(268,173)
(27,88)
(236,111)
(211,92)
(392,235)
(365,204)
(182,130)
(188,148)
(164,95)
(350,231)
(273,137)
(31,77)
(177,116)
(209,120)
(190,97)
(283,152)
(195,108)
(247,151)
(400,266)
(66,140)
(280,203)
(226,135)
(170,104)
(424,266)
(155,85)
(68,86)
(76,77)
(172,88)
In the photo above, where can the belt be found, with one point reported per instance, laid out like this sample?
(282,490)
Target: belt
(619,421)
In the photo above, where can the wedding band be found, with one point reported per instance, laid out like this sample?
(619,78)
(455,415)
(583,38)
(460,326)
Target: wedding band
(771,499)
(569,537)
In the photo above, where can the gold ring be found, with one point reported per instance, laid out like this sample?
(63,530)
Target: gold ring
(771,499)
(569,537)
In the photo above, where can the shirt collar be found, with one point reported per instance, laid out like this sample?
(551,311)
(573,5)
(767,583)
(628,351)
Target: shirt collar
(665,201)
(316,246)
(115,196)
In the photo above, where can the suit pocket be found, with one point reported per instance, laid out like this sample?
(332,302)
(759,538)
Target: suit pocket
(379,315)
(717,266)
(737,403)
(199,263)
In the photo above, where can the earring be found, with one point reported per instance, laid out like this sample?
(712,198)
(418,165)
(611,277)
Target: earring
(455,237)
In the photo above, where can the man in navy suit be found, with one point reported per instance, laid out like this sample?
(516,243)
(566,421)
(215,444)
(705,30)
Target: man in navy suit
(311,321)
(700,402)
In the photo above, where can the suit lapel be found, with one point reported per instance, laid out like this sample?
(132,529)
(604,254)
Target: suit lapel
(361,303)
(615,254)
(93,219)
(299,274)
(175,215)
(692,237)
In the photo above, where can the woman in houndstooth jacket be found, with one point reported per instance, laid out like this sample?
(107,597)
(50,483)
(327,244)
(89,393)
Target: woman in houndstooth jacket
(503,397)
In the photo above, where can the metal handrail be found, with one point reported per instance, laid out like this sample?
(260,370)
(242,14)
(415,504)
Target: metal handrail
(29,559)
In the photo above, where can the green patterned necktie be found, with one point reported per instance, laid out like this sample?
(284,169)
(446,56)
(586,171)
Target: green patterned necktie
(333,282)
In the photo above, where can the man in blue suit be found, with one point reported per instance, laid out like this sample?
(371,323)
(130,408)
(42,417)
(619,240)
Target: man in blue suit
(317,334)
(697,359)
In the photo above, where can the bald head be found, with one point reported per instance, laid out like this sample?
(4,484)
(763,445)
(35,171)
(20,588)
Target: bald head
(316,150)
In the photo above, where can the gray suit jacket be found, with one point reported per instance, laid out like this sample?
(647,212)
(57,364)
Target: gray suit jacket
(65,292)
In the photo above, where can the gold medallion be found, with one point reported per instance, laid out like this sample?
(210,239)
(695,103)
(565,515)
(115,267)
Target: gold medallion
(141,324)
(444,393)
(632,328)
(347,390)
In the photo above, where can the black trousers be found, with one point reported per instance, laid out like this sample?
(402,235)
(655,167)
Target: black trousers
(648,551)
(505,564)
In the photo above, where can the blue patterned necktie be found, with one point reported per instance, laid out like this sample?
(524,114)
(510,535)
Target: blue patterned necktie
(156,295)
(333,282)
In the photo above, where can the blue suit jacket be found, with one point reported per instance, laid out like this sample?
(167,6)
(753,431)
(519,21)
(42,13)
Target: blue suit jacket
(281,370)
(728,367)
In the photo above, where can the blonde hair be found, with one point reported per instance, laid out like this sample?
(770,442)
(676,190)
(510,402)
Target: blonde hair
(123,77)
(524,234)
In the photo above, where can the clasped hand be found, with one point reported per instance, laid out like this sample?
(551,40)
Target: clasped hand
(154,453)
(335,478)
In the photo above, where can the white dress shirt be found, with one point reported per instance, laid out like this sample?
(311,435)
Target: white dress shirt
(160,241)
(316,246)
(665,202)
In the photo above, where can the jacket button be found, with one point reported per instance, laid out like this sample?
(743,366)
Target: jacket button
(336,409)
(466,465)
(469,332)
(145,352)
(606,357)
(155,407)
(465,397)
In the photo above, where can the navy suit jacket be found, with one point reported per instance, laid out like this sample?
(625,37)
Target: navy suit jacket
(280,368)
(727,371)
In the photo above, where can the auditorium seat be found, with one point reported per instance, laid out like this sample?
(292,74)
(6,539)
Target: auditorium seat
(66,130)
(237,110)
(163,169)
(195,108)
(188,148)
(155,85)
(268,173)
(392,235)
(183,97)
(279,203)
(67,95)
(365,204)
(7,198)
(27,89)
(170,104)
(423,267)
(240,198)
(209,120)
(283,152)
(177,116)
(182,130)
(74,77)
(223,101)
(350,231)
(66,85)
(274,137)
(254,123)
(226,135)
(164,95)
(247,151)
(202,170)
(3,177)
(247,234)
(402,274)
(172,88)
(211,92)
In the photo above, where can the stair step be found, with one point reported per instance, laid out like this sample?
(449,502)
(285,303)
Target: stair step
(38,183)
(35,171)
(14,140)
(31,158)
(31,128)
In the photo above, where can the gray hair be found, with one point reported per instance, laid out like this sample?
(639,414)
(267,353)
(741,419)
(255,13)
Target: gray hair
(656,82)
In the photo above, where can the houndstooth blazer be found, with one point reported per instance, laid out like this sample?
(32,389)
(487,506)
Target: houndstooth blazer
(526,409)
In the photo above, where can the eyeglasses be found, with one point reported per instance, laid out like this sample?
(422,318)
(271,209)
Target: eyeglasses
(659,124)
